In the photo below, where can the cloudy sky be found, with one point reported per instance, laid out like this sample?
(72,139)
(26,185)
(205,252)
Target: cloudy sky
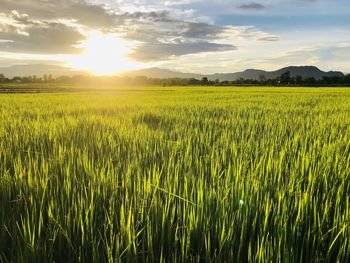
(187,35)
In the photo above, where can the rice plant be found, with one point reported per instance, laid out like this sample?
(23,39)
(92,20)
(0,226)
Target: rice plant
(176,175)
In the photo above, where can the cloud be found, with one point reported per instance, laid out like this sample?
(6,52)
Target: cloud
(56,27)
(163,51)
(254,6)
(269,39)
(168,38)
(22,18)
(162,36)
(23,34)
(201,30)
(168,29)
(92,15)
(52,38)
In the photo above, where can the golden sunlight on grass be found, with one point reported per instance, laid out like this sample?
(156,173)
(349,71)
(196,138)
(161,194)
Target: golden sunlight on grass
(104,54)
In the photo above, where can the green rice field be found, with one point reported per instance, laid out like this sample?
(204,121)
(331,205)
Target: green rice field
(176,174)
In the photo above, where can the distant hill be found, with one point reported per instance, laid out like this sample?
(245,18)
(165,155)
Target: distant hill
(304,71)
(38,70)
(55,71)
(162,73)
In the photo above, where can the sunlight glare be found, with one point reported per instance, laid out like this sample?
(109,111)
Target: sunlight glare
(104,54)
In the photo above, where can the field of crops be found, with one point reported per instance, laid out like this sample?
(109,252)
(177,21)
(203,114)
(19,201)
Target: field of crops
(176,174)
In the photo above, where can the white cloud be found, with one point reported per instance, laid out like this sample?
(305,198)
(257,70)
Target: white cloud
(182,34)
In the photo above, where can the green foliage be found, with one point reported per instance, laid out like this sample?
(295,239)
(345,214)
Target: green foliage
(176,175)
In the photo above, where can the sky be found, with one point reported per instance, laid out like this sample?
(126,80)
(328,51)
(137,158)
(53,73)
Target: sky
(199,36)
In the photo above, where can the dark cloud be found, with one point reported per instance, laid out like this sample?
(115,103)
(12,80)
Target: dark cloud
(201,30)
(153,16)
(42,37)
(172,29)
(38,28)
(92,15)
(164,37)
(269,39)
(255,6)
(163,51)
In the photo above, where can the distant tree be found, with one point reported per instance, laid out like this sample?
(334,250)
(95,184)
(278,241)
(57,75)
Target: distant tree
(298,79)
(240,81)
(205,81)
(193,81)
(285,78)
(17,79)
(262,79)
(309,81)
(347,79)
(2,78)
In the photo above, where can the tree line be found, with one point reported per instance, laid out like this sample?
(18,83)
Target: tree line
(283,80)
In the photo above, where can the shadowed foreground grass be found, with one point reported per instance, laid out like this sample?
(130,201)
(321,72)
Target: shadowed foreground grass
(182,174)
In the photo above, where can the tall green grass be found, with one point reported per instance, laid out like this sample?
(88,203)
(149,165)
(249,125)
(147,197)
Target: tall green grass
(175,175)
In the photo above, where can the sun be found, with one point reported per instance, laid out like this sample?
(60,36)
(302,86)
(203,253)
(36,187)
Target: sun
(104,54)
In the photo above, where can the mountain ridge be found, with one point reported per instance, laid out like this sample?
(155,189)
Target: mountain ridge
(55,71)
(304,71)
(39,70)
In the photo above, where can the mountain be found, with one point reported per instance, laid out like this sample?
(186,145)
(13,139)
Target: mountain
(162,73)
(38,70)
(55,71)
(304,71)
